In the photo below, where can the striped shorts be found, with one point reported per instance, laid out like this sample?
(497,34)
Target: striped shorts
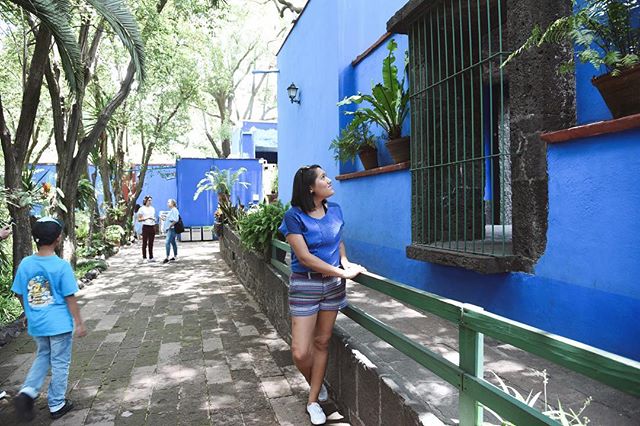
(307,295)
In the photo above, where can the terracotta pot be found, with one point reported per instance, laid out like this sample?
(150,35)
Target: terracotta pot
(369,157)
(399,149)
(620,93)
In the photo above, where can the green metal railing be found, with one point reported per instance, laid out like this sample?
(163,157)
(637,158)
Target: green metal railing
(460,159)
(473,323)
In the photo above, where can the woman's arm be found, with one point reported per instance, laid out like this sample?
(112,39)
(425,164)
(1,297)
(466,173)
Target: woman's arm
(299,247)
(343,255)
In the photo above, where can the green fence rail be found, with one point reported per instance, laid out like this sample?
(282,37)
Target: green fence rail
(473,323)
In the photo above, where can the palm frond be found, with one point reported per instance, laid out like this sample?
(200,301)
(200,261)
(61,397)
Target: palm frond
(54,14)
(125,26)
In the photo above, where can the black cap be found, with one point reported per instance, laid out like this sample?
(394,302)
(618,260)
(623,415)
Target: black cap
(46,230)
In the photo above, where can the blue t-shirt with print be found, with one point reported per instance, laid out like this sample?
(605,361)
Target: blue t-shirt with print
(44,282)
(322,236)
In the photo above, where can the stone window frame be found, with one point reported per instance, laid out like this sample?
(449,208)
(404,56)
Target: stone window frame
(533,81)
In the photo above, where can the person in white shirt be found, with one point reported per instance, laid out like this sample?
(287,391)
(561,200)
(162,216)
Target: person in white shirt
(147,217)
(169,228)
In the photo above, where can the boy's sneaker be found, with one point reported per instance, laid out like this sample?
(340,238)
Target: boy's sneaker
(323,395)
(316,414)
(68,405)
(24,407)
(173,259)
(165,261)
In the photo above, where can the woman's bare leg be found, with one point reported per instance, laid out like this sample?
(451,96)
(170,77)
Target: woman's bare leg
(302,338)
(321,336)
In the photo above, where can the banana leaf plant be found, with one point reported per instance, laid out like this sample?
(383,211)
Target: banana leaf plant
(388,103)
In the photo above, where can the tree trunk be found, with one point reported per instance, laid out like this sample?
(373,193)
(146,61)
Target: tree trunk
(105,172)
(117,181)
(70,172)
(93,211)
(22,239)
(15,154)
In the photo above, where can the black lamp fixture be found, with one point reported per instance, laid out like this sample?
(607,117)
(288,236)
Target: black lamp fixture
(292,91)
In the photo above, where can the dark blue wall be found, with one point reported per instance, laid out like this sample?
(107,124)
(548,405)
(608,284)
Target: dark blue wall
(583,286)
(160,183)
(191,170)
(309,126)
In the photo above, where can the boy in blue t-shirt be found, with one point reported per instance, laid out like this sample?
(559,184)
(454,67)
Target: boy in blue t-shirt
(45,285)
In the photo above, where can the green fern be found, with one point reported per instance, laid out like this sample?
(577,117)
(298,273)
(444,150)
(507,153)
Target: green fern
(603,31)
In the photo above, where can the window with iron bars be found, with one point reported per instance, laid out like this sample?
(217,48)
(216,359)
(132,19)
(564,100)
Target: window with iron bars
(460,159)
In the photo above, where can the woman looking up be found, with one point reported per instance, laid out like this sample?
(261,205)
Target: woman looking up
(319,270)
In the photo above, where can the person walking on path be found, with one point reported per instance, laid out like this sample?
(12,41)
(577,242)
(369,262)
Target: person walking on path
(137,226)
(319,270)
(46,287)
(147,217)
(169,228)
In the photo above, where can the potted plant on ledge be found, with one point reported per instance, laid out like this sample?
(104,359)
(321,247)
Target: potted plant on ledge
(604,31)
(356,139)
(389,105)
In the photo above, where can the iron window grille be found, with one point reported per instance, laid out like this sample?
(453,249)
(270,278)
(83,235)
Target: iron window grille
(460,159)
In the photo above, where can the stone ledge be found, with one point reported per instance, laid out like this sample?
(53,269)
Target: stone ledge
(402,19)
(377,171)
(593,129)
(475,262)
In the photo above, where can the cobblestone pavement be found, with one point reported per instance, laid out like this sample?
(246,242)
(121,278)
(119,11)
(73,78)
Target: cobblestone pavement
(182,343)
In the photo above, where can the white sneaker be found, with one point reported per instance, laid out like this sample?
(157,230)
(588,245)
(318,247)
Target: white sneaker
(152,260)
(323,395)
(316,414)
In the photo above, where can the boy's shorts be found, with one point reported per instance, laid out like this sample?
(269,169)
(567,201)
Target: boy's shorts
(311,292)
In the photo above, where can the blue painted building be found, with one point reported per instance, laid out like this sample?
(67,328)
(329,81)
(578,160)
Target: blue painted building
(584,284)
(256,139)
(179,182)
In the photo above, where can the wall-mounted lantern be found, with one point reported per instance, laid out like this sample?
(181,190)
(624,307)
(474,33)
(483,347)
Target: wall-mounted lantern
(292,91)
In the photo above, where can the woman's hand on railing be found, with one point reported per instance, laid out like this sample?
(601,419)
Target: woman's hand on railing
(352,270)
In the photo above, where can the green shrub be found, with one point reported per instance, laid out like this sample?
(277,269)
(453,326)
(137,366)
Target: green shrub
(82,226)
(10,308)
(113,234)
(260,226)
(99,246)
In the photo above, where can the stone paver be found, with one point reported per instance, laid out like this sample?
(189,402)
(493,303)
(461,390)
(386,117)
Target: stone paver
(177,344)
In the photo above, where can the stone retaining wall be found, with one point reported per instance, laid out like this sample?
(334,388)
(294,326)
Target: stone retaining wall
(367,392)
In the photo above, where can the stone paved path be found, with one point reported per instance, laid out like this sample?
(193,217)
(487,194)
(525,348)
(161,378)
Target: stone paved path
(171,344)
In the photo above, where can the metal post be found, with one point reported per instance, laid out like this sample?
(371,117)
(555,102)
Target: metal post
(471,345)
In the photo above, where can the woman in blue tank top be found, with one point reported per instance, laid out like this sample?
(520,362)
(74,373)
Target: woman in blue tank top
(320,268)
